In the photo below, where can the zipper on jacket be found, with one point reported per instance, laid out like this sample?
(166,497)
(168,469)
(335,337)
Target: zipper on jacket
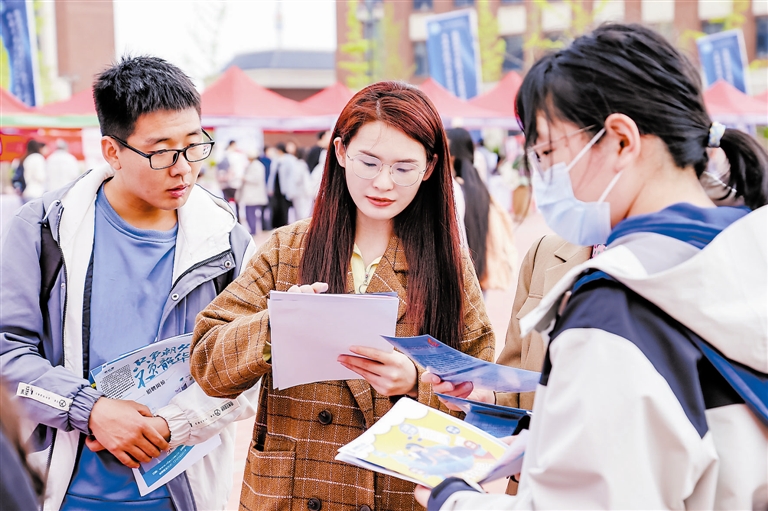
(198,265)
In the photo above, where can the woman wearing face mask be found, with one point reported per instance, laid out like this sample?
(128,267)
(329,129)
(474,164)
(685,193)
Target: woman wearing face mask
(654,381)
(384,221)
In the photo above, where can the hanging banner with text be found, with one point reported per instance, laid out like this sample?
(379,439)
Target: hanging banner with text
(17,30)
(723,57)
(453,52)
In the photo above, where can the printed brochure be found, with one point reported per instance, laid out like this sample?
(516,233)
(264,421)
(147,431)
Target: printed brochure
(456,367)
(152,376)
(420,444)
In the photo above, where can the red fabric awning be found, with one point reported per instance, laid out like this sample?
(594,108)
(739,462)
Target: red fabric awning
(501,98)
(450,106)
(329,101)
(235,94)
(726,102)
(10,104)
(79,104)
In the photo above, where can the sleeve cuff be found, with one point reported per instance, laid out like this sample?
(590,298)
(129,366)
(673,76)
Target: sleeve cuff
(178,424)
(80,409)
(443,491)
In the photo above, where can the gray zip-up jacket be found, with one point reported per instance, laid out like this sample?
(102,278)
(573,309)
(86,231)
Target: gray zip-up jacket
(41,358)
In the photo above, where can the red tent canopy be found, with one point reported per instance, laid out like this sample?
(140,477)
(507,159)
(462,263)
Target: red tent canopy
(79,104)
(329,101)
(237,95)
(9,104)
(501,98)
(727,103)
(449,105)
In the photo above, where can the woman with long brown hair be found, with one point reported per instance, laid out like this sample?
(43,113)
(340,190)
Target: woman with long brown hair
(384,221)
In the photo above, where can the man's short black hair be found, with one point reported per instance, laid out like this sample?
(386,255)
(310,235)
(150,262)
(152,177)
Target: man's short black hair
(280,146)
(140,85)
(321,134)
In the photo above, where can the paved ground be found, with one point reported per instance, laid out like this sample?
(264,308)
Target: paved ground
(498,305)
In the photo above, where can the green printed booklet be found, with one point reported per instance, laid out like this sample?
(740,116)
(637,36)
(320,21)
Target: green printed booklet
(420,444)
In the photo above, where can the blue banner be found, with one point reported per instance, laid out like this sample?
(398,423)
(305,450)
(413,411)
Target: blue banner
(723,57)
(453,53)
(17,32)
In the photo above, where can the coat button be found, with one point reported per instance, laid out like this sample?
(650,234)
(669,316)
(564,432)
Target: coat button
(228,264)
(325,417)
(175,296)
(365,508)
(314,504)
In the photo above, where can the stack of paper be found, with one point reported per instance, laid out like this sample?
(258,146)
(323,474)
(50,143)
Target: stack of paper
(420,444)
(309,331)
(152,376)
(457,367)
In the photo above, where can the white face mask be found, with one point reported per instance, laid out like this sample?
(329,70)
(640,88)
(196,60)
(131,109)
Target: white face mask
(578,222)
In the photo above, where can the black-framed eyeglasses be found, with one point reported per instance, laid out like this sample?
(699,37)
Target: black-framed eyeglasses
(166,158)
(368,167)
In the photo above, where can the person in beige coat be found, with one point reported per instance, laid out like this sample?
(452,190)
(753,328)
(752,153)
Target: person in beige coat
(384,222)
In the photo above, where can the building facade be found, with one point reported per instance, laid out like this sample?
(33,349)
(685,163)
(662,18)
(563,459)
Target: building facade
(520,21)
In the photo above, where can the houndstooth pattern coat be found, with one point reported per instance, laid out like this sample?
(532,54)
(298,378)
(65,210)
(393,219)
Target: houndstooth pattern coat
(298,431)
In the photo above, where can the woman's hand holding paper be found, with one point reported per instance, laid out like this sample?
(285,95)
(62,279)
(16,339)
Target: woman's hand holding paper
(317,287)
(391,374)
(463,390)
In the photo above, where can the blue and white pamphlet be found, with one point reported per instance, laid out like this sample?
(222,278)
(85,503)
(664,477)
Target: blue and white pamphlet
(500,421)
(152,376)
(456,367)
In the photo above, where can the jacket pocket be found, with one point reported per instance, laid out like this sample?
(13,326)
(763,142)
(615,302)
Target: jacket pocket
(269,479)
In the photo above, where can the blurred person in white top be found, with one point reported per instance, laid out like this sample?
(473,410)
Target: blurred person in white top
(61,167)
(34,171)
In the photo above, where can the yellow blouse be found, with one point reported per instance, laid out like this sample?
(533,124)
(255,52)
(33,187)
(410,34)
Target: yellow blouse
(361,276)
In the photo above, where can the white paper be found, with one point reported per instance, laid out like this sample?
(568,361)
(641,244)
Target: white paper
(152,376)
(310,331)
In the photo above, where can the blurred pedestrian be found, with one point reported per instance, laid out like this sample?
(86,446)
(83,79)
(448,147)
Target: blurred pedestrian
(61,167)
(657,346)
(252,195)
(232,180)
(489,229)
(385,211)
(313,154)
(280,185)
(33,170)
(303,195)
(127,255)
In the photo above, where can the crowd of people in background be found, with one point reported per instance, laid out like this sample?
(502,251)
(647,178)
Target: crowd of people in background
(34,174)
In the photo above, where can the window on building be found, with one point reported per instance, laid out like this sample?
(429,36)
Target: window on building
(420,58)
(422,5)
(463,3)
(761,24)
(513,56)
(712,27)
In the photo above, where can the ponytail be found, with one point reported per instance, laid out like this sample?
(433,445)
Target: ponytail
(749,167)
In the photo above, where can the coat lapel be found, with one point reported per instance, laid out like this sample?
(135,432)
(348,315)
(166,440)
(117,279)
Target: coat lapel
(566,253)
(390,276)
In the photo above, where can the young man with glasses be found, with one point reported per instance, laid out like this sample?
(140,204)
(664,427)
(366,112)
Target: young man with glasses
(142,251)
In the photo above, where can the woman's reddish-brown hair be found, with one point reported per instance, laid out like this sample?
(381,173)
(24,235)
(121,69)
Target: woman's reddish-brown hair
(427,228)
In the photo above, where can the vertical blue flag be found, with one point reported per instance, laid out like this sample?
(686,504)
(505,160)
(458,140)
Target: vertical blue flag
(723,57)
(453,52)
(17,32)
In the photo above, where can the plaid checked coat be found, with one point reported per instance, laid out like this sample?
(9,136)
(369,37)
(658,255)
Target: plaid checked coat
(298,430)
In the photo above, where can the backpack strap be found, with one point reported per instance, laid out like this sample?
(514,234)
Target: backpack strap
(220,282)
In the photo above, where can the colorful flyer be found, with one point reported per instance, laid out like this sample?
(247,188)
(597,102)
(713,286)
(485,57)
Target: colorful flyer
(500,421)
(423,445)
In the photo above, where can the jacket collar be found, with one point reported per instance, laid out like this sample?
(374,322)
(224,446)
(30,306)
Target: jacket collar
(566,252)
(205,221)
